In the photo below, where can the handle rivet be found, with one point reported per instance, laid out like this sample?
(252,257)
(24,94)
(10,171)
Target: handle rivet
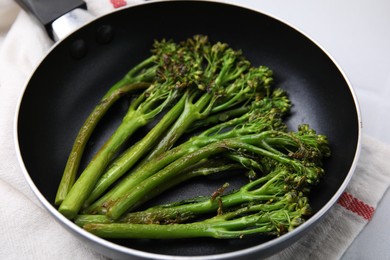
(104,34)
(78,49)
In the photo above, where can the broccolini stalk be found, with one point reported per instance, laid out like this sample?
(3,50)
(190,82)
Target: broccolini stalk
(72,165)
(218,118)
(278,100)
(268,189)
(139,77)
(203,168)
(210,102)
(118,207)
(190,54)
(274,219)
(242,144)
(222,67)
(207,167)
(223,78)
(253,122)
(263,115)
(135,152)
(171,79)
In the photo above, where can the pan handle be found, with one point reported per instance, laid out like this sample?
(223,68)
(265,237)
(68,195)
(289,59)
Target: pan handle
(48,11)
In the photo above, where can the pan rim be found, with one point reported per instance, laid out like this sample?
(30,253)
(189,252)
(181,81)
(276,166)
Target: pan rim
(239,253)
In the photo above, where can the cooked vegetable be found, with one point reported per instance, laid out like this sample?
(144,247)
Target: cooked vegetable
(263,115)
(256,144)
(270,189)
(224,81)
(136,79)
(171,78)
(212,112)
(276,218)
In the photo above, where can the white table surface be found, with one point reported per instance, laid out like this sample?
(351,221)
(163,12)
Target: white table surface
(356,34)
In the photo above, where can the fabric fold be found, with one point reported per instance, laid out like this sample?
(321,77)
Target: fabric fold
(29,232)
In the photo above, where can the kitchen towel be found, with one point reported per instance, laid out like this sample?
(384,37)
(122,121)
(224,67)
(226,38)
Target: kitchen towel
(29,232)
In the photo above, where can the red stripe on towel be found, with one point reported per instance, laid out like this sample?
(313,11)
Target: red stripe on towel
(355,205)
(118,3)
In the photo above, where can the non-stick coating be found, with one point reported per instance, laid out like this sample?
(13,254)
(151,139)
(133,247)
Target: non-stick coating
(65,88)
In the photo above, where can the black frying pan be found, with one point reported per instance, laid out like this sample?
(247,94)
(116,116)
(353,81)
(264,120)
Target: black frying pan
(75,74)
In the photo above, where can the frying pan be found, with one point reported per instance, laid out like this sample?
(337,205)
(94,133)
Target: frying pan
(77,71)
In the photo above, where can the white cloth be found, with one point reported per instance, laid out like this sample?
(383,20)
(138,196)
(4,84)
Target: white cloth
(29,232)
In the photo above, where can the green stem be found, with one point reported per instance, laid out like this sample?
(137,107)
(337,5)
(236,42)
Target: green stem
(72,165)
(141,111)
(154,231)
(131,156)
(214,130)
(142,72)
(233,100)
(221,227)
(145,171)
(143,68)
(88,178)
(81,220)
(191,113)
(258,190)
(134,178)
(202,169)
(188,210)
(219,117)
(118,207)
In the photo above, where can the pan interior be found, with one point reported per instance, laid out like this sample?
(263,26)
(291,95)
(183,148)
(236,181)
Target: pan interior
(65,89)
